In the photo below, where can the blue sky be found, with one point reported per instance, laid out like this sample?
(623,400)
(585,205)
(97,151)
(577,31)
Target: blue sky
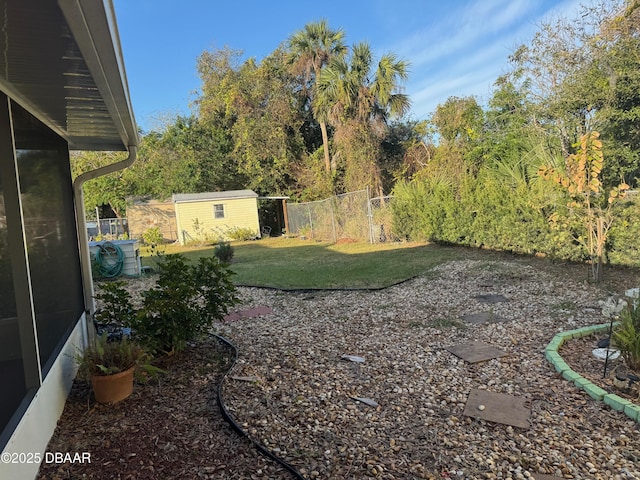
(455,47)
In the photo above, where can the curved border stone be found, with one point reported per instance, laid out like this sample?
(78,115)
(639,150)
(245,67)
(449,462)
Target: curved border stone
(616,402)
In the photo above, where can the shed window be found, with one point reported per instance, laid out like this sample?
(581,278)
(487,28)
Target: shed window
(218,210)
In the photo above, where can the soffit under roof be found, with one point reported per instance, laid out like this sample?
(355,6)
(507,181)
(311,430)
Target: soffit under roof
(62,62)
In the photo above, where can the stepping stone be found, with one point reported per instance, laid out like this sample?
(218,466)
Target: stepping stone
(482,317)
(474,352)
(250,378)
(367,401)
(497,407)
(491,298)
(353,358)
(250,313)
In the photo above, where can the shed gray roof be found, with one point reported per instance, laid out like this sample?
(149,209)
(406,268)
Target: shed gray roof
(62,62)
(207,196)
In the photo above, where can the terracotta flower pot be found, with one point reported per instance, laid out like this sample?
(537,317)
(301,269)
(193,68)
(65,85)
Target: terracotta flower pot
(113,388)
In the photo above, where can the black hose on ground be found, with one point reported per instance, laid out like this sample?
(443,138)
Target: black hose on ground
(227,416)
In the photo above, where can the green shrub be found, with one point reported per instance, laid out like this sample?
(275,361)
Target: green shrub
(484,211)
(626,336)
(224,252)
(241,233)
(623,247)
(184,302)
(152,236)
(117,308)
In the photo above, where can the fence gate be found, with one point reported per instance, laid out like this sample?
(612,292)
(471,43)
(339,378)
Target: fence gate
(382,220)
(352,216)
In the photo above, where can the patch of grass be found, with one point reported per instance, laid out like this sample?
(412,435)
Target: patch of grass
(564,306)
(441,322)
(289,263)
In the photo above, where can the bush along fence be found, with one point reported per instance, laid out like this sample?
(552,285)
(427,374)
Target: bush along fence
(540,213)
(353,216)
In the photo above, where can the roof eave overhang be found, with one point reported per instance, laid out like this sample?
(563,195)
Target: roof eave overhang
(93,25)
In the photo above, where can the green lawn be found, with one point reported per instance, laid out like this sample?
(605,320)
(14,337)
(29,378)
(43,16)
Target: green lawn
(290,263)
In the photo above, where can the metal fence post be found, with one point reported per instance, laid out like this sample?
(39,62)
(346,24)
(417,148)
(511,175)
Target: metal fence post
(370,215)
(333,223)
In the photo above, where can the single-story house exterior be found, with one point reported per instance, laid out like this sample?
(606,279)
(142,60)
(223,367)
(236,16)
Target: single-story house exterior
(210,215)
(62,87)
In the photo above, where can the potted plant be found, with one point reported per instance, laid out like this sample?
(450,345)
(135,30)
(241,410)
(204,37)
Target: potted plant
(110,367)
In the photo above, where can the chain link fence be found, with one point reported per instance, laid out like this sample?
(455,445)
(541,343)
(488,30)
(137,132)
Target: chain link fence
(382,220)
(351,216)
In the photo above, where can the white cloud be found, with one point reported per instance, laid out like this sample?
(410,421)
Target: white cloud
(461,31)
(464,53)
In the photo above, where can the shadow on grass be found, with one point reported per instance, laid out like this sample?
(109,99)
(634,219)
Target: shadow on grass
(298,264)
(293,264)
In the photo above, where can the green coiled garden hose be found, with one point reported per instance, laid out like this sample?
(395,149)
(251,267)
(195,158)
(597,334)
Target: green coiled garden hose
(108,260)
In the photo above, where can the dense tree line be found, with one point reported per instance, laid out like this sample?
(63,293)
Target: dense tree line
(485,181)
(311,119)
(318,117)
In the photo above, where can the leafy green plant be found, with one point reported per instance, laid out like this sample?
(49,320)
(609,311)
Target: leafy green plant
(152,236)
(117,308)
(626,336)
(110,357)
(241,233)
(224,252)
(184,302)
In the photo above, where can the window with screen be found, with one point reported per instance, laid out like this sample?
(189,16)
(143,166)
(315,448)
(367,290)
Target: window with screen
(218,211)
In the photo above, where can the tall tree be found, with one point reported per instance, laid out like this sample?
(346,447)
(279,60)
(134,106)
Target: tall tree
(616,63)
(311,49)
(358,101)
(263,113)
(459,127)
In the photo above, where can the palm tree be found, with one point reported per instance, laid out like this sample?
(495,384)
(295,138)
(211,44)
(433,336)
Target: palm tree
(347,90)
(359,101)
(311,49)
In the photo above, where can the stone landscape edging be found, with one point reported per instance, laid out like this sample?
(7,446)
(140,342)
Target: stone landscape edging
(616,402)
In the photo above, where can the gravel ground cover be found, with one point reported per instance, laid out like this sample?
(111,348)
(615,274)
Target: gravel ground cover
(294,393)
(301,402)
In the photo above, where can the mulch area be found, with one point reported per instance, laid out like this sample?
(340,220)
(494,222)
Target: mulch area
(169,428)
(578,355)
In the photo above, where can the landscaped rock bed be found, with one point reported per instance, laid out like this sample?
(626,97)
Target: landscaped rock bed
(296,394)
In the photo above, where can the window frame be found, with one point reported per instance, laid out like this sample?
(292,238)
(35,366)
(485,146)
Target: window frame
(219,213)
